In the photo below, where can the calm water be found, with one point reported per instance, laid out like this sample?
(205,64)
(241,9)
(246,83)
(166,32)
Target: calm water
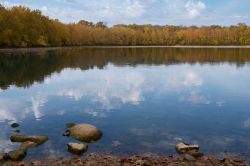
(143,99)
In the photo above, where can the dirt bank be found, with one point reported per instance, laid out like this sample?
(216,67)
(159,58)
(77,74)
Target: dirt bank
(96,159)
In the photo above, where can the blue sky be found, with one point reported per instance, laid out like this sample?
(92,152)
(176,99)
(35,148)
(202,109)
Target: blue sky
(162,12)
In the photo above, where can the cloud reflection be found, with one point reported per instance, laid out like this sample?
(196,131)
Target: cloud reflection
(192,80)
(109,89)
(246,123)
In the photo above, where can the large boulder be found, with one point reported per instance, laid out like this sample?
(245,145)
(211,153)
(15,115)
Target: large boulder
(85,132)
(77,148)
(186,148)
(23,138)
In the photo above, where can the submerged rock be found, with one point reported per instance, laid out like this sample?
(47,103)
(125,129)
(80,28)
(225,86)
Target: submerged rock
(14,125)
(27,142)
(26,145)
(184,148)
(85,132)
(77,148)
(22,138)
(16,155)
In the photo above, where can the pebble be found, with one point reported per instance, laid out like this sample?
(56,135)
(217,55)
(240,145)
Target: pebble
(14,125)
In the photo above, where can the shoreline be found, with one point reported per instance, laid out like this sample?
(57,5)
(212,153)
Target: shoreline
(148,159)
(97,46)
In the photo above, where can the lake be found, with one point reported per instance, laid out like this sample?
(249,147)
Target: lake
(143,99)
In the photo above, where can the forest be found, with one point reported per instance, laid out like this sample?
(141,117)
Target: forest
(23,27)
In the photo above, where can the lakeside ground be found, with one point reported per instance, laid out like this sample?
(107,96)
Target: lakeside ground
(96,159)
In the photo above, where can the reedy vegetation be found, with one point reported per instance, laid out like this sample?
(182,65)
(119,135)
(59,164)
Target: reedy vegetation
(23,27)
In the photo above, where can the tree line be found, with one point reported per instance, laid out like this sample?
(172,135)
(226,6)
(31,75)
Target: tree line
(23,27)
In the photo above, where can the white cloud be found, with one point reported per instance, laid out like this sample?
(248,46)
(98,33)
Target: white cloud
(10,4)
(194,9)
(185,12)
(136,9)
(116,11)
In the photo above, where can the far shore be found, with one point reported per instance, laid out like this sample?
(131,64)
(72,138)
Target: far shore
(65,47)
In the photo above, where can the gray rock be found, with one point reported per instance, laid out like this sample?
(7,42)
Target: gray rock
(22,138)
(77,148)
(184,148)
(85,132)
(16,155)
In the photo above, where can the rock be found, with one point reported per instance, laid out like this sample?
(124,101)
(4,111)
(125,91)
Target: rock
(16,155)
(36,163)
(139,163)
(183,148)
(77,148)
(195,153)
(17,131)
(2,157)
(66,133)
(14,125)
(26,145)
(22,138)
(70,124)
(85,132)
(189,157)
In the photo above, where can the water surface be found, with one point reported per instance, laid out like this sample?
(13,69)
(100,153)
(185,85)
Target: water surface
(143,99)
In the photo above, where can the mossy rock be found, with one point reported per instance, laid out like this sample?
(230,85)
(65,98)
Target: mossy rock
(23,138)
(16,155)
(26,145)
